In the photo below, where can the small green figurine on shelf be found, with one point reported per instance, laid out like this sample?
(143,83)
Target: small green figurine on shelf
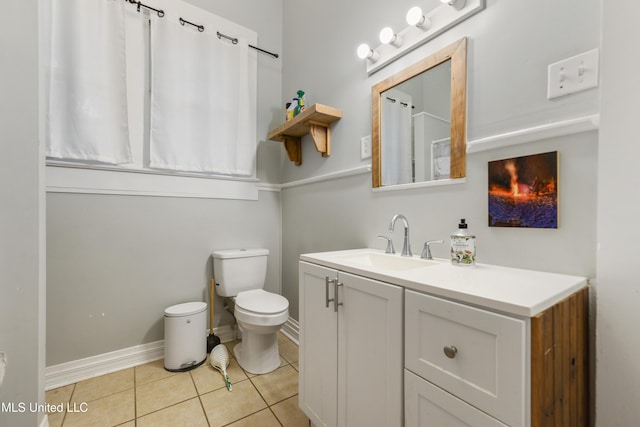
(300,107)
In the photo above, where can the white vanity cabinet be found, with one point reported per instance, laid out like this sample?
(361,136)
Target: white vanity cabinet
(351,365)
(488,346)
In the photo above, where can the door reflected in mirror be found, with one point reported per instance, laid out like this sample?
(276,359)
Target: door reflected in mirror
(419,121)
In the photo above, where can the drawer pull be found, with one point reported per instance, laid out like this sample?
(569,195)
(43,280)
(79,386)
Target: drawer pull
(450,352)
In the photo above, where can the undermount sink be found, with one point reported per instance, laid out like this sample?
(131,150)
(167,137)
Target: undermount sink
(386,261)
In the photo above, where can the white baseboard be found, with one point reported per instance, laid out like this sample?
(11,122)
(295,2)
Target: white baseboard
(78,370)
(291,330)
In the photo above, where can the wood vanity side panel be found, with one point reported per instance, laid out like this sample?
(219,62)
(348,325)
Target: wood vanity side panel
(559,364)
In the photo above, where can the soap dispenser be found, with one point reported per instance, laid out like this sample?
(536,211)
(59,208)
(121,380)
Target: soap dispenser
(463,246)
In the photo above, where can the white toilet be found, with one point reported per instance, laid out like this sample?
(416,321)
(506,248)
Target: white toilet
(240,274)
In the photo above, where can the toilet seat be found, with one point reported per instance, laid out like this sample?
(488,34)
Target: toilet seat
(260,301)
(261,308)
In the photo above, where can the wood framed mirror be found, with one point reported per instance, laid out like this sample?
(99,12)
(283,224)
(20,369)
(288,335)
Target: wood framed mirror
(410,146)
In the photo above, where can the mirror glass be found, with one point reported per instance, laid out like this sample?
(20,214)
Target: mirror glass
(419,121)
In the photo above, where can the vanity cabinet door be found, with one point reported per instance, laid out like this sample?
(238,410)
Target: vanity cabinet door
(429,406)
(474,354)
(318,387)
(369,353)
(351,353)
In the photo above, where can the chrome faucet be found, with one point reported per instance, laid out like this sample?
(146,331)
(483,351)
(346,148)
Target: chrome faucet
(426,251)
(390,249)
(406,246)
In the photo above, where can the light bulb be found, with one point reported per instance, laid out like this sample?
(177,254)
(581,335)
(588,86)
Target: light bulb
(415,17)
(387,36)
(365,52)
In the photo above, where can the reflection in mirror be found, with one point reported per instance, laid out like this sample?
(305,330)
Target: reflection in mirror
(419,119)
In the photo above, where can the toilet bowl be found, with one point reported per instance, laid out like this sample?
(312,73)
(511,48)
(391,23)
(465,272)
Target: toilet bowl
(259,315)
(240,275)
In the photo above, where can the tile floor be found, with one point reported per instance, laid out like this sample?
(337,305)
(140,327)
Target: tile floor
(148,395)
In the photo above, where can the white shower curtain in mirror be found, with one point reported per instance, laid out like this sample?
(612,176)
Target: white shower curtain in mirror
(87,94)
(396,137)
(201,115)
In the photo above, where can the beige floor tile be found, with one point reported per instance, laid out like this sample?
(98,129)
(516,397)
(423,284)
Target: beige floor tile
(289,351)
(207,378)
(282,363)
(55,419)
(160,394)
(296,366)
(129,424)
(108,411)
(59,395)
(105,385)
(263,418)
(152,371)
(223,407)
(290,414)
(185,414)
(277,385)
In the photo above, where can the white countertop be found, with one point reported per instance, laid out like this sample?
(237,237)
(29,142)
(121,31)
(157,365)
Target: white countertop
(514,291)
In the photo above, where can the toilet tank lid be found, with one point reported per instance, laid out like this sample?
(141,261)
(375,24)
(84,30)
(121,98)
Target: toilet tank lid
(240,253)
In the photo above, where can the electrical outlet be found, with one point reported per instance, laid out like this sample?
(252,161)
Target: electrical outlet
(365,147)
(573,74)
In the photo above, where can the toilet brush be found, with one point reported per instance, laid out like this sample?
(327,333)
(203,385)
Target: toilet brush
(212,340)
(220,360)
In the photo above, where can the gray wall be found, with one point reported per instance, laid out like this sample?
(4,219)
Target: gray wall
(511,43)
(618,287)
(22,283)
(506,92)
(116,262)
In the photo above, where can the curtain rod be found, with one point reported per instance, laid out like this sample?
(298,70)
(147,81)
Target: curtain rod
(158,11)
(200,28)
(184,21)
(234,40)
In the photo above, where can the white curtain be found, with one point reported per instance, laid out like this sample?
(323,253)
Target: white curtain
(87,98)
(396,133)
(201,116)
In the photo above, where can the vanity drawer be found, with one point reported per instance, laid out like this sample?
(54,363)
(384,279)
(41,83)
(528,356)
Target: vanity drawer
(477,355)
(426,405)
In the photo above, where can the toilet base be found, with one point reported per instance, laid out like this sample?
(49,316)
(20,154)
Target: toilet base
(258,353)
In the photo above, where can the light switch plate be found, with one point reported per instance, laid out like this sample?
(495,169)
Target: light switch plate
(573,74)
(365,147)
(3,364)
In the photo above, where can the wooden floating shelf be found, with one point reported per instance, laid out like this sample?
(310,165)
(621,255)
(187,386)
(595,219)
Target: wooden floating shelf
(314,121)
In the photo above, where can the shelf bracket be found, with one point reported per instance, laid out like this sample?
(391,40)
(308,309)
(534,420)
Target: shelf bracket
(321,136)
(293,147)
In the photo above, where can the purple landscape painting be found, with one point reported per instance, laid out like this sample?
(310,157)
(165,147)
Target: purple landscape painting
(523,191)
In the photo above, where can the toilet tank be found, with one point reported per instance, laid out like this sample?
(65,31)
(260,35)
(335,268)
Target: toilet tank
(238,270)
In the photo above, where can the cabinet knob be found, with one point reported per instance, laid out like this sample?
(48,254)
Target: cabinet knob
(450,352)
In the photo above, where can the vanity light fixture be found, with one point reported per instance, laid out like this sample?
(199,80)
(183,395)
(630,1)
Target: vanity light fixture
(387,36)
(417,18)
(365,52)
(456,4)
(423,25)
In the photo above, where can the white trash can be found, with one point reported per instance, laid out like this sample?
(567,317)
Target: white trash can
(185,336)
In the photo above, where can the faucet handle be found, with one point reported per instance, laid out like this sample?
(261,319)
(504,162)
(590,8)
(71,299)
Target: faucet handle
(426,251)
(389,249)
